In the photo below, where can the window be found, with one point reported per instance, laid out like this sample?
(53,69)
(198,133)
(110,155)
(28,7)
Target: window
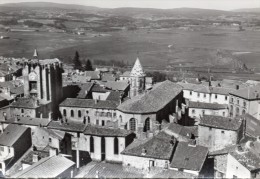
(50,140)
(210,128)
(216,96)
(205,95)
(238,101)
(223,132)
(79,113)
(224,114)
(190,92)
(114,114)
(237,111)
(2,149)
(91,144)
(226,98)
(88,119)
(193,111)
(116,146)
(103,123)
(244,104)
(22,110)
(232,100)
(147,125)
(109,114)
(64,112)
(74,144)
(97,122)
(120,117)
(203,112)
(198,95)
(86,112)
(244,112)
(132,124)
(71,113)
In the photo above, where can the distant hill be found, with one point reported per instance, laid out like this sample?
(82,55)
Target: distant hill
(250,10)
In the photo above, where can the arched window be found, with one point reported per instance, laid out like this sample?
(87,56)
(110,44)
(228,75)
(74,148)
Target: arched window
(237,111)
(109,114)
(244,112)
(116,146)
(79,113)
(71,113)
(64,112)
(91,144)
(132,124)
(120,117)
(147,125)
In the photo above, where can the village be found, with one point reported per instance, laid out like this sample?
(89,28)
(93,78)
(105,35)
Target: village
(60,122)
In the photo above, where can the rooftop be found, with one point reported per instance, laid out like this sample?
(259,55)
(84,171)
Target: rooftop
(250,93)
(185,131)
(89,103)
(69,126)
(152,101)
(213,106)
(116,85)
(25,103)
(49,167)
(27,121)
(28,159)
(173,174)
(220,122)
(137,69)
(189,157)
(85,89)
(105,131)
(115,96)
(11,134)
(49,61)
(159,147)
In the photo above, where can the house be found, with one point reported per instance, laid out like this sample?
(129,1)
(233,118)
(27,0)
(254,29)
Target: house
(252,125)
(244,101)
(244,161)
(190,158)
(154,152)
(89,111)
(49,167)
(106,144)
(32,157)
(199,109)
(14,142)
(144,113)
(217,132)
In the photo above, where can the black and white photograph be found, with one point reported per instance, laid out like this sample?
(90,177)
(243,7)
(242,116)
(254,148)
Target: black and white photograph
(129,89)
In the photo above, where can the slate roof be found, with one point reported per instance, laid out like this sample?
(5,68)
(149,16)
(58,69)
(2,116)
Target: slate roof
(152,101)
(49,167)
(88,103)
(220,122)
(158,147)
(213,106)
(27,121)
(252,125)
(24,103)
(189,157)
(70,126)
(105,131)
(250,93)
(11,134)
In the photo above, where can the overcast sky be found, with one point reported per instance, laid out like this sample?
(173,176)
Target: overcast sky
(164,4)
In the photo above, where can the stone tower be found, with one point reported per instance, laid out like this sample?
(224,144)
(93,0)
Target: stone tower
(43,81)
(137,79)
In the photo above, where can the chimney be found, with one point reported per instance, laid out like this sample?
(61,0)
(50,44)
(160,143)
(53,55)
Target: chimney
(35,158)
(192,143)
(143,151)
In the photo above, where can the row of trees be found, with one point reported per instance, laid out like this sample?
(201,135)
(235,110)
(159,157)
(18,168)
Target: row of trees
(78,64)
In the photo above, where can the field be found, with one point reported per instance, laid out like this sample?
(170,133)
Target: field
(157,48)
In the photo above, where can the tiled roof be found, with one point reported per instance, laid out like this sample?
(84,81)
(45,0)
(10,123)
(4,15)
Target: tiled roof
(250,93)
(173,174)
(108,77)
(152,101)
(126,74)
(248,159)
(105,131)
(27,121)
(108,170)
(85,89)
(49,167)
(224,151)
(158,147)
(88,103)
(220,122)
(185,131)
(221,90)
(189,157)
(116,85)
(25,103)
(213,106)
(69,126)
(11,134)
(137,70)
(195,87)
(99,88)
(28,159)
(55,133)
(252,125)
(115,96)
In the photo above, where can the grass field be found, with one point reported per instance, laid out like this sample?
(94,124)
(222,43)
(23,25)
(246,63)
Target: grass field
(187,47)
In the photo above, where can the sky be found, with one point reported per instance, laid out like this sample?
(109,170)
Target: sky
(162,4)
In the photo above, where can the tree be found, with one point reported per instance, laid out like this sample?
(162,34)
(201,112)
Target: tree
(88,66)
(77,62)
